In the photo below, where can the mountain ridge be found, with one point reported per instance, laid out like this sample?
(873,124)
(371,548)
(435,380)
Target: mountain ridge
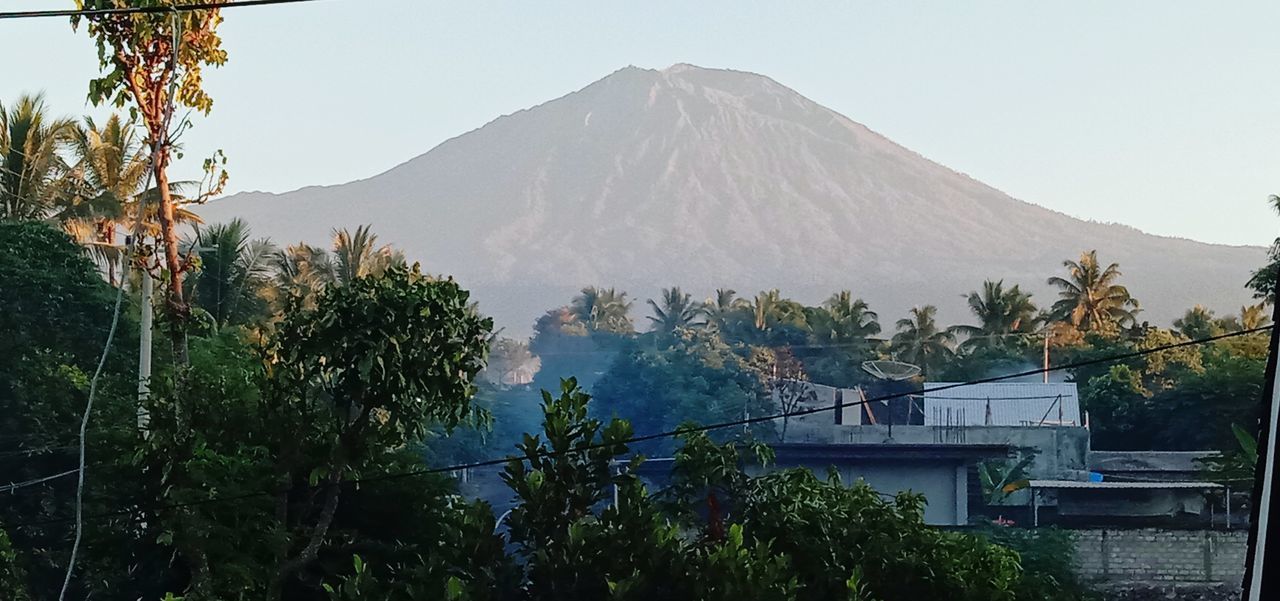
(708,178)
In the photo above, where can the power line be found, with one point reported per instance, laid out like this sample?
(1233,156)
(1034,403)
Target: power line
(136,10)
(34,481)
(655,436)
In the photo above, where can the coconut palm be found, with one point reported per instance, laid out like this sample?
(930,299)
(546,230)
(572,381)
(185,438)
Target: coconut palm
(769,310)
(920,341)
(232,272)
(1254,316)
(603,310)
(356,255)
(1089,297)
(101,190)
(301,271)
(677,310)
(1003,314)
(843,319)
(29,160)
(1198,322)
(720,307)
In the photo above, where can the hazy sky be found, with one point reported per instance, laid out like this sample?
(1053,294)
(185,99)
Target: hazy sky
(1163,115)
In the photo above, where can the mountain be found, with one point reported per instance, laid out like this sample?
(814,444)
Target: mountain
(711,178)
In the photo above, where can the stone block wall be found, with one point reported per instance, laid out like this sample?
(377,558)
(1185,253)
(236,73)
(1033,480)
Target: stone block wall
(1161,555)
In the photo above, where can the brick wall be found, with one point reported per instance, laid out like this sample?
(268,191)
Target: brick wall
(1158,555)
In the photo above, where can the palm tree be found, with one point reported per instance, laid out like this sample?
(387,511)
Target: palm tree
(603,310)
(1254,316)
(843,319)
(720,307)
(101,190)
(29,161)
(232,273)
(1002,315)
(676,311)
(920,341)
(1089,297)
(770,310)
(357,255)
(1198,322)
(302,270)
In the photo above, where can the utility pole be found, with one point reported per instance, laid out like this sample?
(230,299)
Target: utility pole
(144,349)
(1259,579)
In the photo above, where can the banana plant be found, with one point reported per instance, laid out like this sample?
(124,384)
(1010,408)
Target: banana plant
(999,479)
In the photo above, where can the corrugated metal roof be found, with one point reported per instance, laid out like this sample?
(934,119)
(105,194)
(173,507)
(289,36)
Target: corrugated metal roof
(1122,485)
(1012,404)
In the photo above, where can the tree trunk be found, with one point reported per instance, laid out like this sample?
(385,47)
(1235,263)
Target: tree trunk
(175,302)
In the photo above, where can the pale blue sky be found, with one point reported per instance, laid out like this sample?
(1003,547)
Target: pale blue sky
(1164,115)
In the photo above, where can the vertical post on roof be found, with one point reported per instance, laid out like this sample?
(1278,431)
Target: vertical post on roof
(1045,373)
(1259,574)
(1228,497)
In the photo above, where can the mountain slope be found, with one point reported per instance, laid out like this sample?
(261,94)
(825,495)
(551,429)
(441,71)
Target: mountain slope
(708,178)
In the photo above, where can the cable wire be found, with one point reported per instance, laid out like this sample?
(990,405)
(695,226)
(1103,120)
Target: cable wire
(656,436)
(138,10)
(16,485)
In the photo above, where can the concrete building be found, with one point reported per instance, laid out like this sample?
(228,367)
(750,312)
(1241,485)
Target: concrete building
(938,471)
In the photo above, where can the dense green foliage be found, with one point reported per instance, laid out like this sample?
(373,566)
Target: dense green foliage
(324,376)
(1047,558)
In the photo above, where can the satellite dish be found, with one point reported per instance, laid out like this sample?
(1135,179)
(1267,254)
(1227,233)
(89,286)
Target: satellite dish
(895,371)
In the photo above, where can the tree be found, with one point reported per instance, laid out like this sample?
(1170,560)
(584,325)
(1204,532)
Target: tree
(1003,316)
(999,479)
(232,272)
(356,255)
(1198,322)
(718,308)
(1234,466)
(385,356)
(29,161)
(13,579)
(1089,297)
(920,341)
(58,311)
(153,61)
(604,310)
(676,311)
(301,271)
(1253,317)
(573,548)
(842,320)
(511,363)
(109,173)
(1263,281)
(696,378)
(783,378)
(838,534)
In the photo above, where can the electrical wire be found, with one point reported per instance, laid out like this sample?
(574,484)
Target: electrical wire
(137,10)
(655,436)
(15,486)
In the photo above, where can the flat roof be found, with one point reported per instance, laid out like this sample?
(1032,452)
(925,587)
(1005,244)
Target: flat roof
(889,450)
(1010,403)
(1076,484)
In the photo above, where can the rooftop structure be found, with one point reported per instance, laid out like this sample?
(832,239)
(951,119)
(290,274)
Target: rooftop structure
(1001,404)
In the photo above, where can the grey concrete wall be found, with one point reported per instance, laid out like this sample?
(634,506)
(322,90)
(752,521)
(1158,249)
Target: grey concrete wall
(1061,451)
(1159,555)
